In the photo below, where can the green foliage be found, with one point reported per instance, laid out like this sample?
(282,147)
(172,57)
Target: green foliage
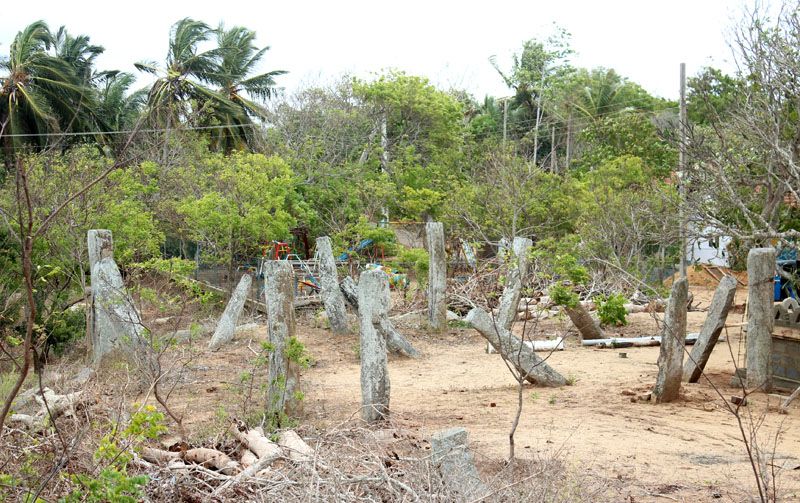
(296,352)
(243,201)
(420,259)
(562,295)
(611,310)
(113,483)
(65,327)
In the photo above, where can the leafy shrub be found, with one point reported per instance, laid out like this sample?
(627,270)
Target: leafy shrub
(421,260)
(64,328)
(611,310)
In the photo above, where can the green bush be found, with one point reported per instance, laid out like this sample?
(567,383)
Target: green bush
(611,310)
(421,260)
(64,328)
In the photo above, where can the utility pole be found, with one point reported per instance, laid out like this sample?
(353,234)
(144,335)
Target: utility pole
(682,174)
(384,165)
(505,122)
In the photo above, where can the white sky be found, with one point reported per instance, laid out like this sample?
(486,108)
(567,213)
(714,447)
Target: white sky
(447,41)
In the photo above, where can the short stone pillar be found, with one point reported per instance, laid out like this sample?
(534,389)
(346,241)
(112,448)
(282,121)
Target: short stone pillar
(437,276)
(515,279)
(673,340)
(715,322)
(451,455)
(227,322)
(284,374)
(520,355)
(329,279)
(761,266)
(373,288)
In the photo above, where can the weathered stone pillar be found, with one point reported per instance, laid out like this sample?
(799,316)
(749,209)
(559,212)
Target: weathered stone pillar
(715,322)
(515,279)
(396,342)
(587,326)
(329,279)
(115,321)
(284,374)
(373,286)
(101,245)
(227,322)
(524,359)
(451,455)
(760,298)
(673,338)
(437,276)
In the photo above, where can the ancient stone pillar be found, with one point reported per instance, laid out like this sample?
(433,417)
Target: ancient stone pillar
(524,359)
(227,322)
(373,287)
(331,295)
(396,342)
(673,336)
(715,322)
(760,298)
(101,245)
(437,276)
(115,321)
(515,279)
(284,373)
(451,455)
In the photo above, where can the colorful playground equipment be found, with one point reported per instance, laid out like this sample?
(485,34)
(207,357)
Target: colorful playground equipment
(395,277)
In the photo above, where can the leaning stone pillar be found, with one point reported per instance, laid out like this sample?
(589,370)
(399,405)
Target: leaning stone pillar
(673,337)
(522,356)
(515,279)
(331,295)
(760,298)
(437,276)
(373,287)
(715,322)
(227,322)
(284,373)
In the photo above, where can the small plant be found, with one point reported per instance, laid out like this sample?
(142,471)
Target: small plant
(552,400)
(534,396)
(611,310)
(459,324)
(356,347)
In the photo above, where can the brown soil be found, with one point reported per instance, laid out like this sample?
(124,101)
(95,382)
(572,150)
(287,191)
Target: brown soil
(690,450)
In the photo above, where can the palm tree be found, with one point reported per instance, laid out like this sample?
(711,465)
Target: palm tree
(239,58)
(180,91)
(40,93)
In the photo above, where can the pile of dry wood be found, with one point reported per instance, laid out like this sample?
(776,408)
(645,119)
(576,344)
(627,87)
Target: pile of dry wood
(255,454)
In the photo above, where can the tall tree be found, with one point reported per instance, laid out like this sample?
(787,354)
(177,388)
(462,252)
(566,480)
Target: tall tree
(40,93)
(239,59)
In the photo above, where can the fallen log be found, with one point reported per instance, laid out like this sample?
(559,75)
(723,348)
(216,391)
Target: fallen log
(254,441)
(627,342)
(294,446)
(211,458)
(554,345)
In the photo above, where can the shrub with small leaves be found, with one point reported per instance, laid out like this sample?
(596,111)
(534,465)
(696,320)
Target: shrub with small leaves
(611,310)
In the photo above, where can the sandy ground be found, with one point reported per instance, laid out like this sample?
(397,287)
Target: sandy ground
(690,450)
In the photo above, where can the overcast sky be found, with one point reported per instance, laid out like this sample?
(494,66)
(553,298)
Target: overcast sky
(447,41)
